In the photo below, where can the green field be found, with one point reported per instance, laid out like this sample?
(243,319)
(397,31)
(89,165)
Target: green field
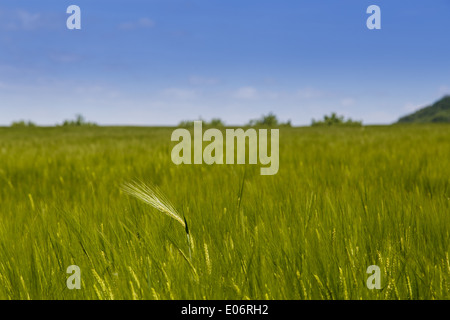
(343,199)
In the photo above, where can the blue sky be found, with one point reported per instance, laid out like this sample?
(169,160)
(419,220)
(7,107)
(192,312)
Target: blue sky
(160,62)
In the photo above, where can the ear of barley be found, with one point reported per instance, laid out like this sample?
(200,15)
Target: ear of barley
(155,198)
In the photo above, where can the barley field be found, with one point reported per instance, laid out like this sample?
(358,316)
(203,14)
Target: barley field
(343,199)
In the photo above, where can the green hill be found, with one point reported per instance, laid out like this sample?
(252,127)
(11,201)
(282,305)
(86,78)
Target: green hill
(438,112)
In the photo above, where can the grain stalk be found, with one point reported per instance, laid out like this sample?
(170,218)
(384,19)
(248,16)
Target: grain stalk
(155,198)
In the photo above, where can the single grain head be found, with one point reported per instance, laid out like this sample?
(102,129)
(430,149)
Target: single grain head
(155,198)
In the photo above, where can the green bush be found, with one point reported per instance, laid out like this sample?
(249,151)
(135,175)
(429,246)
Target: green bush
(334,120)
(215,122)
(79,121)
(22,124)
(269,120)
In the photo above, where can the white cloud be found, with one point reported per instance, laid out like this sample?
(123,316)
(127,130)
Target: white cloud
(444,90)
(412,107)
(28,20)
(20,20)
(248,93)
(65,57)
(379,117)
(273,95)
(309,93)
(178,93)
(348,102)
(141,23)
(198,80)
(97,91)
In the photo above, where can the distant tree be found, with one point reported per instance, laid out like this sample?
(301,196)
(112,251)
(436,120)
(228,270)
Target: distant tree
(269,120)
(287,124)
(79,121)
(216,122)
(334,120)
(22,123)
(186,124)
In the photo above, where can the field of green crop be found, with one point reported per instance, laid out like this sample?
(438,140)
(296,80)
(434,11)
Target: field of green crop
(343,199)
